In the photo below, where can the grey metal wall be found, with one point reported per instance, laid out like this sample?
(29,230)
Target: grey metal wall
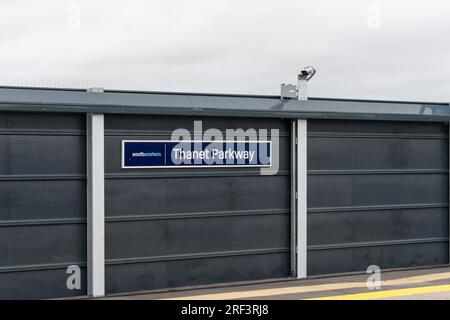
(377,194)
(177,227)
(42,203)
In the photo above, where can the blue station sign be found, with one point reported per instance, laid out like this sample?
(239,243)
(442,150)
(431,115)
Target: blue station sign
(175,154)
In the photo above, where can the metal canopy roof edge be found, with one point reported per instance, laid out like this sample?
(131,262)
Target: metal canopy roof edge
(202,104)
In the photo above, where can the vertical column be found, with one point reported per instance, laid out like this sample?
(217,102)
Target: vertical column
(302,88)
(95,205)
(294,198)
(301,199)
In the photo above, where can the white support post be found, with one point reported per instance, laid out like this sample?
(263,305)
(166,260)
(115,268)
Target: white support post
(95,205)
(301,199)
(302,89)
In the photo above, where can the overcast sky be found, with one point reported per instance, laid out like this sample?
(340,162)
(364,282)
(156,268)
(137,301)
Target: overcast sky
(361,49)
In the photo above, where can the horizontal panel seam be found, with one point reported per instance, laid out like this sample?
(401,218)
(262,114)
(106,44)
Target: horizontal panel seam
(42,133)
(125,218)
(40,267)
(38,222)
(378,171)
(109,133)
(205,255)
(378,207)
(41,177)
(376,136)
(376,243)
(172,174)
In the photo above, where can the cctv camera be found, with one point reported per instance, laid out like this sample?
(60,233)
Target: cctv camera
(307,73)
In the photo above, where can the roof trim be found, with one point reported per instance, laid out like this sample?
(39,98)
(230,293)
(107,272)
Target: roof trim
(213,94)
(204,104)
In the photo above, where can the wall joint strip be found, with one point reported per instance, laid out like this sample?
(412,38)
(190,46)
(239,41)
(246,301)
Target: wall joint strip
(301,198)
(95,205)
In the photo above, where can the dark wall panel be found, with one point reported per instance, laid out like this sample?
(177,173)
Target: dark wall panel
(199,271)
(377,153)
(39,244)
(188,226)
(38,154)
(377,128)
(42,199)
(42,204)
(43,283)
(377,194)
(343,227)
(176,195)
(376,189)
(352,259)
(174,236)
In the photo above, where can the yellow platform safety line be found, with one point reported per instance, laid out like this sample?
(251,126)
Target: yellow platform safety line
(389,293)
(310,288)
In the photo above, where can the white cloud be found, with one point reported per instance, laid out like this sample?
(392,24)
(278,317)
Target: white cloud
(362,49)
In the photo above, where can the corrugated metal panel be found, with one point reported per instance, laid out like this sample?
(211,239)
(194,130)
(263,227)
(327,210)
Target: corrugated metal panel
(42,204)
(377,194)
(168,228)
